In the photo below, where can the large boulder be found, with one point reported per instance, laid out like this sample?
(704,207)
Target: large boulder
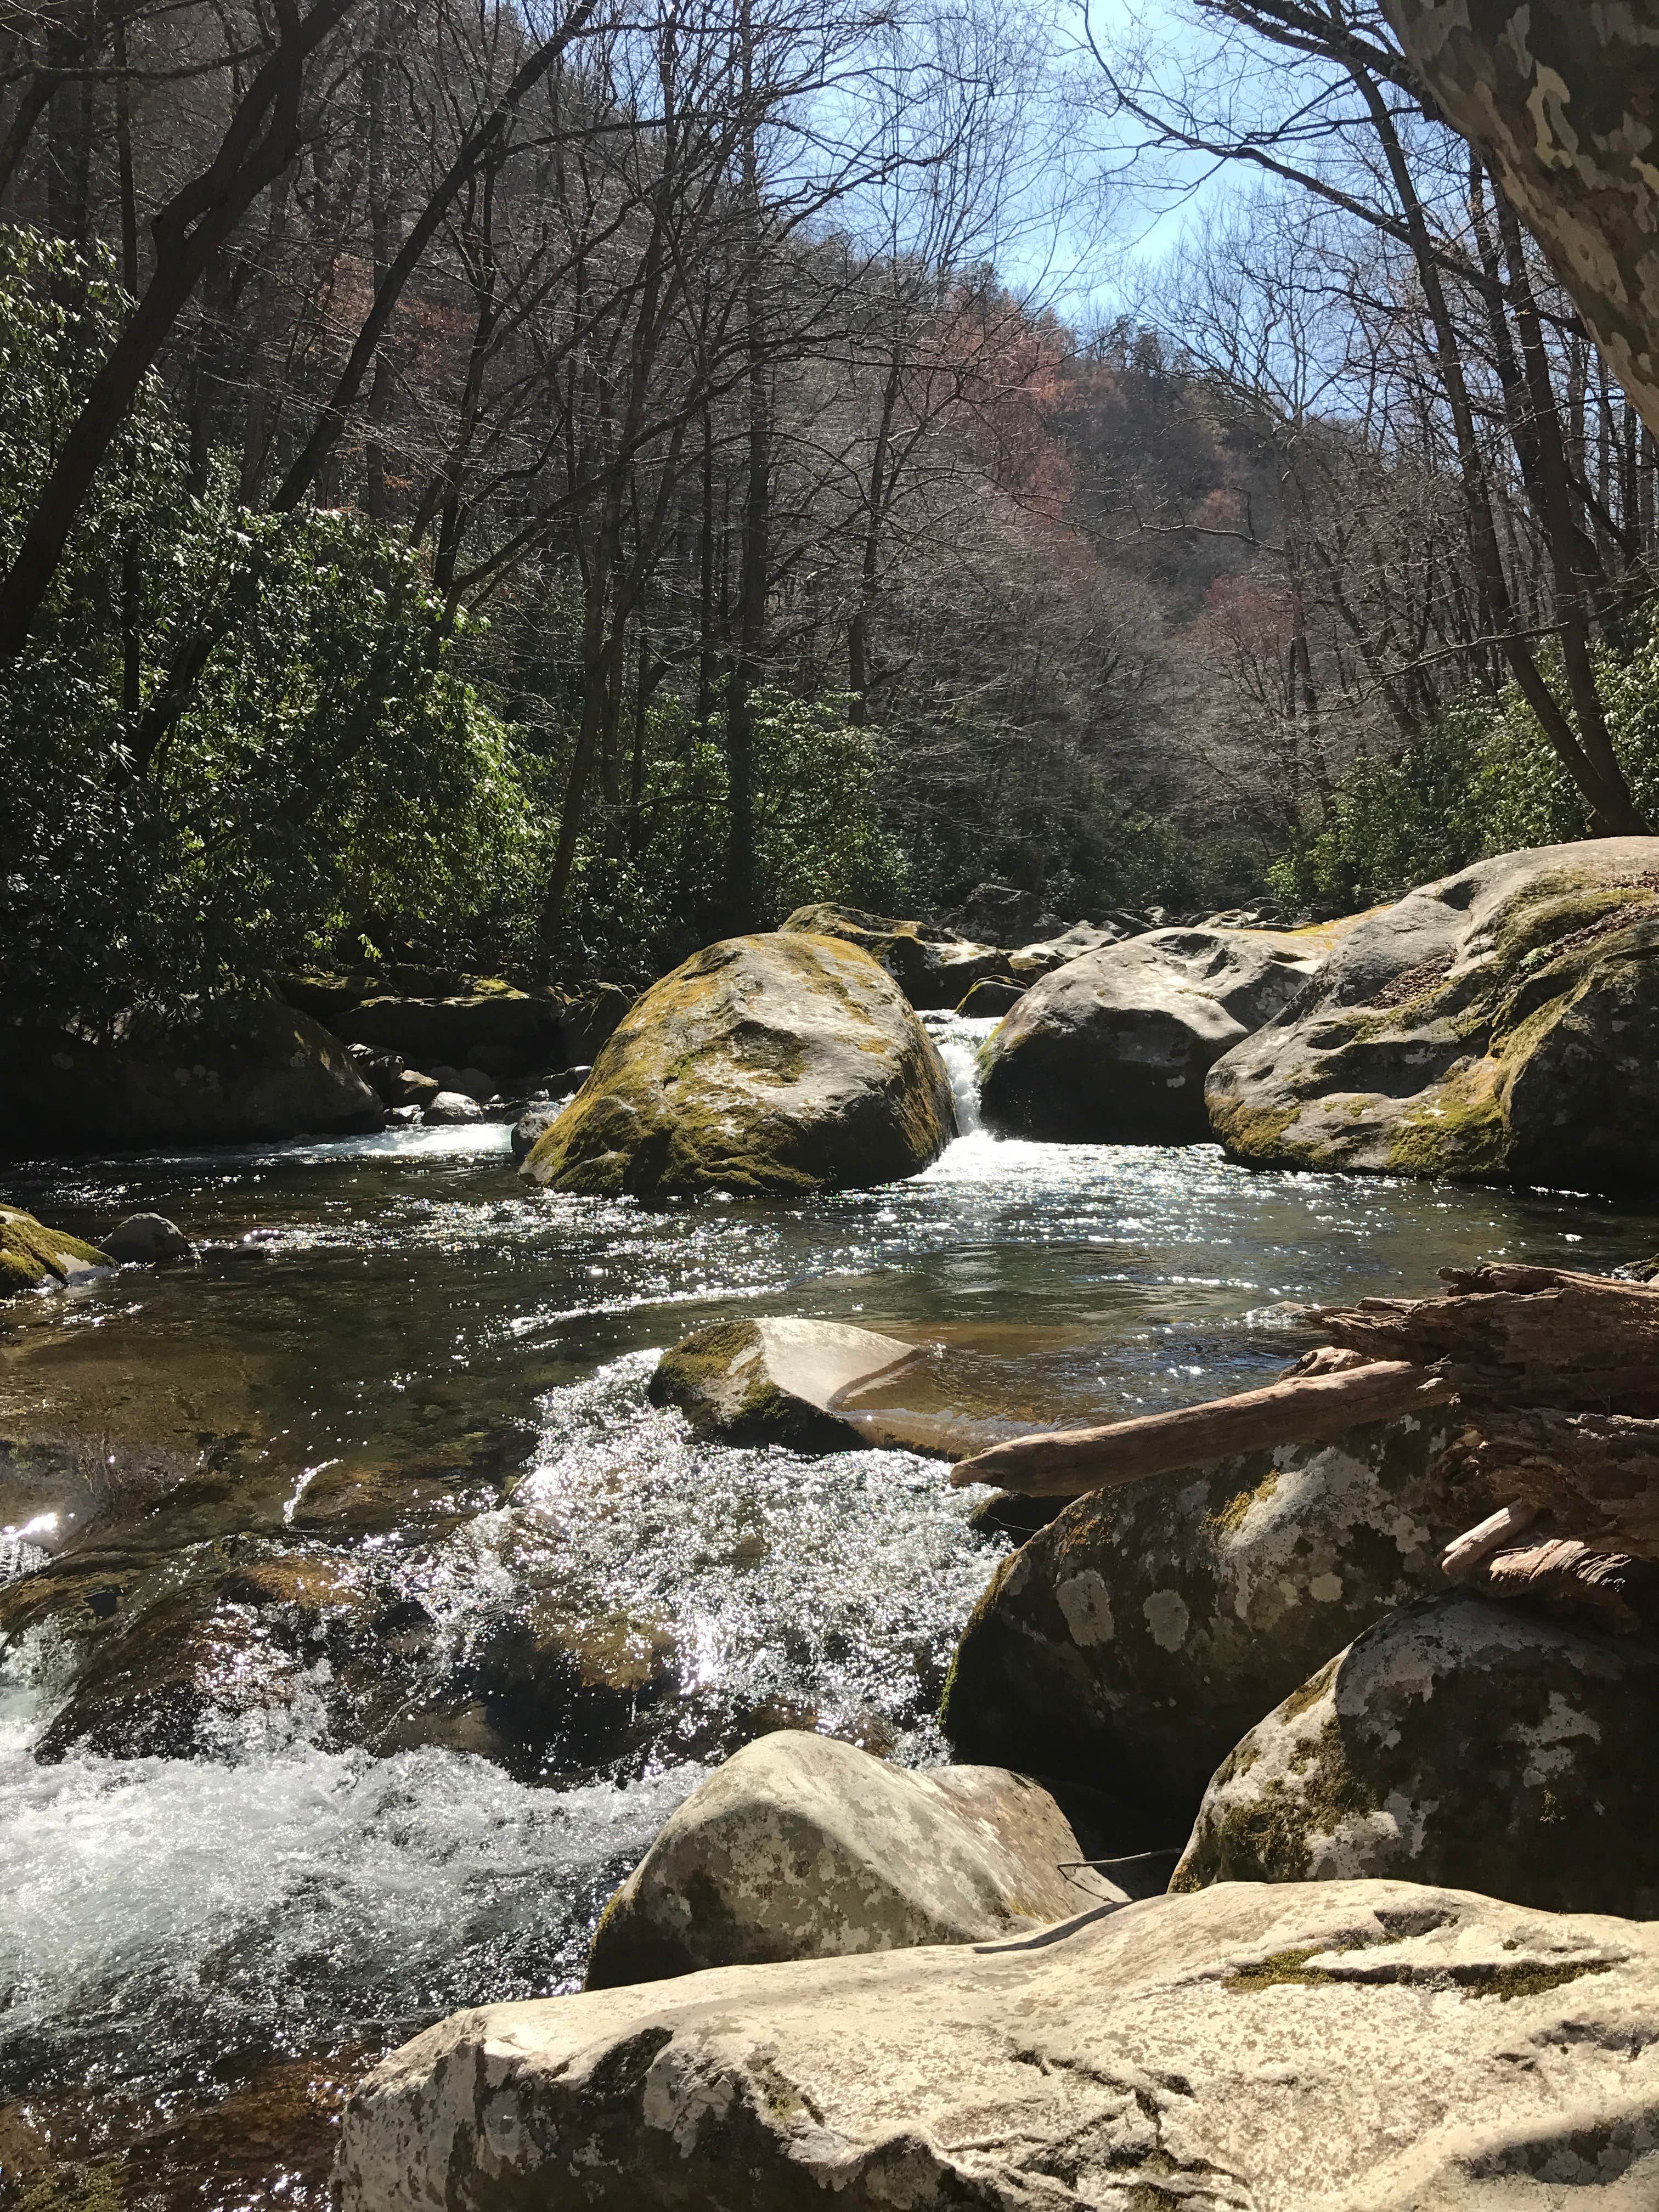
(1114,1047)
(1560,98)
(775,1380)
(36,1258)
(252,1067)
(1031,961)
(1502,1022)
(1132,1642)
(1370,2047)
(933,967)
(801,1847)
(1457,1741)
(775,1065)
(523,1028)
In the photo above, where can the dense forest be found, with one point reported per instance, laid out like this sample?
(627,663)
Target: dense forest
(533,491)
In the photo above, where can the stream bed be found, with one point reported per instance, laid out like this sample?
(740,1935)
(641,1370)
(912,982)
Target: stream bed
(463,1616)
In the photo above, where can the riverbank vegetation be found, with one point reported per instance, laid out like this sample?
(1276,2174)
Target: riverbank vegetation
(533,493)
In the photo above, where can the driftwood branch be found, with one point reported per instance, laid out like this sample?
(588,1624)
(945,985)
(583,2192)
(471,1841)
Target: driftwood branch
(1596,1473)
(1311,1408)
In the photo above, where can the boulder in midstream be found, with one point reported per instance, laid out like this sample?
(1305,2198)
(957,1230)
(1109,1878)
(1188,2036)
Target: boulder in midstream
(777,1380)
(1502,1024)
(801,1847)
(934,968)
(1363,2046)
(1458,1741)
(775,1066)
(148,1239)
(1113,1048)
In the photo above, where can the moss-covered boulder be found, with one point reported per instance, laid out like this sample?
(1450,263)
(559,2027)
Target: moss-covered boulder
(776,1065)
(1457,1741)
(1132,1642)
(801,1847)
(1113,1048)
(36,1258)
(1501,1023)
(247,1067)
(933,967)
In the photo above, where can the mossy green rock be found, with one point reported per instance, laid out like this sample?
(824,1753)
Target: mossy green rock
(934,968)
(1132,1642)
(36,1258)
(1502,1025)
(1458,1741)
(773,1066)
(1113,1048)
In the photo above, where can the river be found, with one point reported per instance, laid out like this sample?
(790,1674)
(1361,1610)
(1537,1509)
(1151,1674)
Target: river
(394,1366)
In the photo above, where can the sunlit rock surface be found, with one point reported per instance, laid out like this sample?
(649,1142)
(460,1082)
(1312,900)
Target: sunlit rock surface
(1562,99)
(34,1257)
(799,1847)
(934,968)
(1130,1645)
(780,1064)
(1456,1741)
(1504,1022)
(1113,1048)
(778,1380)
(1333,2047)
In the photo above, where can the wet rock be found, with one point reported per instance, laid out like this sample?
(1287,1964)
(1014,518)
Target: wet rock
(1349,2046)
(933,967)
(1008,1513)
(531,1125)
(776,1381)
(1132,1642)
(36,1258)
(406,1117)
(1114,1047)
(777,1064)
(1502,1022)
(1457,1741)
(799,1847)
(991,995)
(251,1067)
(148,1238)
(446,1108)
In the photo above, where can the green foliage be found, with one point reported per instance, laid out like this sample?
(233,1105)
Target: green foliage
(1483,780)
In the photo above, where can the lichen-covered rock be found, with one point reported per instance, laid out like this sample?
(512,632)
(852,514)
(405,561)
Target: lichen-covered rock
(1560,97)
(1502,1022)
(934,968)
(251,1067)
(1114,1047)
(1457,1741)
(801,1847)
(1371,2046)
(36,1258)
(1131,1642)
(776,1065)
(774,1380)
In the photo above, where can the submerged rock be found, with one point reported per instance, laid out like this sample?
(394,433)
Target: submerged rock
(1130,1645)
(148,1238)
(801,1847)
(36,1258)
(1349,2046)
(775,1380)
(1502,1022)
(775,1065)
(247,1067)
(1114,1047)
(1457,1741)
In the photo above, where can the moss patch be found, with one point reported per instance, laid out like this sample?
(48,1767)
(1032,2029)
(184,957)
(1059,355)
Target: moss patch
(1227,1519)
(1459,1130)
(1508,1982)
(33,1256)
(1252,1133)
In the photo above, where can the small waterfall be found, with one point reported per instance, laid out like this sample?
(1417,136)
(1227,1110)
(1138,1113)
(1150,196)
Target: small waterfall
(959,1037)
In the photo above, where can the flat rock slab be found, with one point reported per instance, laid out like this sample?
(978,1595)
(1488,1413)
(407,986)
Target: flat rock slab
(801,1847)
(777,1380)
(1370,2046)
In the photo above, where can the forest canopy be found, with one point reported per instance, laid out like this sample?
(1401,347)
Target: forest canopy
(533,491)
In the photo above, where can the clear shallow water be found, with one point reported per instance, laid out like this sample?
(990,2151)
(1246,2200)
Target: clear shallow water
(394,1363)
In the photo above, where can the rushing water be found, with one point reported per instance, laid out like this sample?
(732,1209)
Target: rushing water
(397,1366)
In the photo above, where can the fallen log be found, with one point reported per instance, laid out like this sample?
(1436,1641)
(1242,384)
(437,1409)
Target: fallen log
(1595,1475)
(1574,1582)
(1511,1335)
(1308,1408)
